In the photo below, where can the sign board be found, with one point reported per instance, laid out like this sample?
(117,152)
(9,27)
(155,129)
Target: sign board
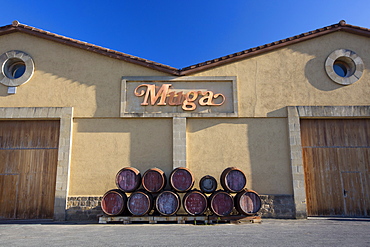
(190,96)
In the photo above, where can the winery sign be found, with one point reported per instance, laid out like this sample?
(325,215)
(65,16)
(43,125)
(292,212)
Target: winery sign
(187,101)
(191,96)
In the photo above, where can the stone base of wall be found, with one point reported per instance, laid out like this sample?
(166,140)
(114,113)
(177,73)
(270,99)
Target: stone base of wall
(277,206)
(88,208)
(83,208)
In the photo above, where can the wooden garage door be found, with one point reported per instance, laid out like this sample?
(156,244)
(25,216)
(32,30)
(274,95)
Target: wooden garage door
(28,161)
(336,158)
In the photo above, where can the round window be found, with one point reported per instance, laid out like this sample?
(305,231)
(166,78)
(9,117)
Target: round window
(17,68)
(341,68)
(14,68)
(344,66)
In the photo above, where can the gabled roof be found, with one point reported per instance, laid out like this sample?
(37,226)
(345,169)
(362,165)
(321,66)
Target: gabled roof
(18,27)
(341,26)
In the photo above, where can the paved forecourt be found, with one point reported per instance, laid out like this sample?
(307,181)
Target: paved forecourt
(271,232)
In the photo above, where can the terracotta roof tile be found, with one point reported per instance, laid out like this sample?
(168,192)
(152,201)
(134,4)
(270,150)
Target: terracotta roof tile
(18,27)
(341,26)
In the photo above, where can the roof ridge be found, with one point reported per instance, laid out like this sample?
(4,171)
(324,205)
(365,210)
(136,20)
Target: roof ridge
(95,48)
(260,47)
(342,25)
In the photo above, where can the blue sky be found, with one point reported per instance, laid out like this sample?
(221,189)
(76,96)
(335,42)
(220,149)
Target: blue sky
(182,33)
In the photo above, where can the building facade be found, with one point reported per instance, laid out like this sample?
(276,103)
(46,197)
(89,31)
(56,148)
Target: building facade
(293,115)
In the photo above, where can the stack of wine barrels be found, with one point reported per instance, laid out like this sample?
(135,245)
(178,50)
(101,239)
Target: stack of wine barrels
(147,194)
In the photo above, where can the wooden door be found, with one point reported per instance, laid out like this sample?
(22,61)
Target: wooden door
(28,162)
(336,158)
(353,193)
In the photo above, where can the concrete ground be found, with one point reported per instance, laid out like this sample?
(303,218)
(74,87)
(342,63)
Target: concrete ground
(271,232)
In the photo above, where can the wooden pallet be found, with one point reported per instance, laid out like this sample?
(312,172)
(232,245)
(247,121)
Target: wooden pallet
(180,219)
(234,219)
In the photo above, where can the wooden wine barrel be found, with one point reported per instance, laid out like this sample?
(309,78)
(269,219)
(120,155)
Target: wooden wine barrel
(221,203)
(154,180)
(195,202)
(167,203)
(140,203)
(128,179)
(233,180)
(114,202)
(247,202)
(181,179)
(208,184)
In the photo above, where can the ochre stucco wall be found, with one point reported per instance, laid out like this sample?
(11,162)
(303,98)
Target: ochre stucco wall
(257,142)
(67,76)
(295,75)
(101,147)
(102,143)
(257,146)
(267,83)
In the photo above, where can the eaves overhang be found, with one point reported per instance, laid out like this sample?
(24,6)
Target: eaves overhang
(341,26)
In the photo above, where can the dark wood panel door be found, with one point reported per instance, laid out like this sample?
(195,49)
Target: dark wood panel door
(336,158)
(28,162)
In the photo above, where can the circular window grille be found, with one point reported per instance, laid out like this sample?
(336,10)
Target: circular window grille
(344,66)
(16,68)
